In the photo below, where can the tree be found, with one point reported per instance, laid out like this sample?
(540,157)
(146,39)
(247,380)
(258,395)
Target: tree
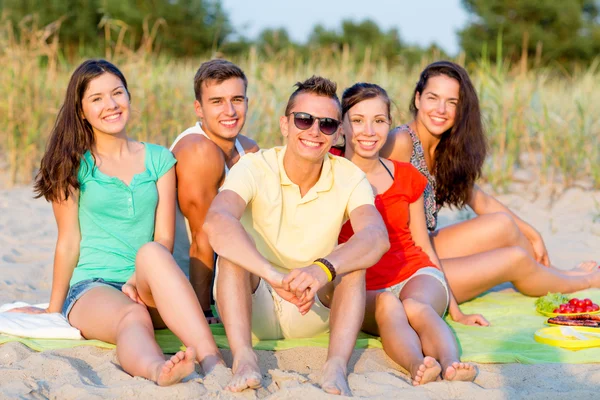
(190,27)
(558,30)
(359,36)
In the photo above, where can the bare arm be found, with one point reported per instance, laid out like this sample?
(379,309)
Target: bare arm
(229,239)
(66,254)
(369,242)
(164,225)
(483,203)
(200,170)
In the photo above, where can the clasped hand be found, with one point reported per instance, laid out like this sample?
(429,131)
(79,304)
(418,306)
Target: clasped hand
(300,286)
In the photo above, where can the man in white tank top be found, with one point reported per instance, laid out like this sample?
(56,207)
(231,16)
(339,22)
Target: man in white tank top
(204,153)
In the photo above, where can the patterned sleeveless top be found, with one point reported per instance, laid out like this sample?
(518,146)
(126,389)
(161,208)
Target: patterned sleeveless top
(417,159)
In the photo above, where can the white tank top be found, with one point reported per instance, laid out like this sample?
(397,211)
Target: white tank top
(183,233)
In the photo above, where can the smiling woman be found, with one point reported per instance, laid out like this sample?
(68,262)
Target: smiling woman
(114,203)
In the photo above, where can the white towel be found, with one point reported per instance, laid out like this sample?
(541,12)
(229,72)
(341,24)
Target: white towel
(36,326)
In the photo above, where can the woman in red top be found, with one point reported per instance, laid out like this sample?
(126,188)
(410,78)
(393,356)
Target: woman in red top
(407,293)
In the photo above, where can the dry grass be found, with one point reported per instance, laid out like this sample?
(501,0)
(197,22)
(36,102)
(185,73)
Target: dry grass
(538,119)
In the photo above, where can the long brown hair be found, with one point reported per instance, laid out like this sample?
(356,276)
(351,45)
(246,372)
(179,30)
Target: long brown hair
(462,149)
(71,135)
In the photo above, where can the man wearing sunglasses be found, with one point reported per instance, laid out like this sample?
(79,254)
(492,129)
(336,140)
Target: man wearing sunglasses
(275,223)
(204,153)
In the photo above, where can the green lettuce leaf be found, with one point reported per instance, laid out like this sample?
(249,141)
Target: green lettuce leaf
(551,301)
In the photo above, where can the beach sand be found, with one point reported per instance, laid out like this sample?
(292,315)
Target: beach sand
(27,239)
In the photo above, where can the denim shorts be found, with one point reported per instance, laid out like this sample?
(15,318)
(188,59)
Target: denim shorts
(81,287)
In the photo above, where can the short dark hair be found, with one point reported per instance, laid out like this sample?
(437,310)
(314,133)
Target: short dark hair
(217,70)
(315,85)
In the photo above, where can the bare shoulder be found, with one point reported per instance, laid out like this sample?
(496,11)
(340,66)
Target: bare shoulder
(249,145)
(398,146)
(198,154)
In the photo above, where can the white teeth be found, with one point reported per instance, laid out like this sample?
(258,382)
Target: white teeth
(363,142)
(228,123)
(112,117)
(438,119)
(310,144)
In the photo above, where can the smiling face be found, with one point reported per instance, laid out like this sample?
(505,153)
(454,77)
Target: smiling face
(366,126)
(223,107)
(105,105)
(310,144)
(437,104)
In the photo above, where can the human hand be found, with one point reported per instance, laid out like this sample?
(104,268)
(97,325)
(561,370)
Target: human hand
(275,280)
(29,310)
(130,291)
(539,250)
(471,319)
(305,281)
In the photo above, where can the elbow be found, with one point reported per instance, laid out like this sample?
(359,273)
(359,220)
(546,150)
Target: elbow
(381,241)
(210,225)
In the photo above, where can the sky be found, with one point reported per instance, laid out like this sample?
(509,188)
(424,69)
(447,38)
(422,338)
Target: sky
(420,22)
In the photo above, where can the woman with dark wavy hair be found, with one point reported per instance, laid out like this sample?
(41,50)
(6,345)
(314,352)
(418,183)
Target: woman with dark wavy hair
(446,143)
(113,198)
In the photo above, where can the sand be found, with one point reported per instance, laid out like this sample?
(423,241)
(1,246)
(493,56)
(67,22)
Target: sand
(27,238)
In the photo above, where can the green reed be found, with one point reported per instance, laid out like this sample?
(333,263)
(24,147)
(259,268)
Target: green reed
(541,120)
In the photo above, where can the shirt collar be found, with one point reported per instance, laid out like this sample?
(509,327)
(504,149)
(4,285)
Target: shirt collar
(325,182)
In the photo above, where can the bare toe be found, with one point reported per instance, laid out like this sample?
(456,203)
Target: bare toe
(177,367)
(459,371)
(246,373)
(427,372)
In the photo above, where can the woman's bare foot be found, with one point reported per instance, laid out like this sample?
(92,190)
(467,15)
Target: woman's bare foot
(333,378)
(246,373)
(427,372)
(460,371)
(176,368)
(586,266)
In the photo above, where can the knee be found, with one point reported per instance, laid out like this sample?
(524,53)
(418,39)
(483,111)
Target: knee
(151,252)
(518,258)
(416,309)
(387,306)
(134,314)
(506,224)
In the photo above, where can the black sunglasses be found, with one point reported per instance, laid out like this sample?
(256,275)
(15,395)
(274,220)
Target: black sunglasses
(304,121)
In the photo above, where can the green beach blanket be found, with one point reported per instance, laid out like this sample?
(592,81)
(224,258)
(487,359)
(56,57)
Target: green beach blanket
(509,339)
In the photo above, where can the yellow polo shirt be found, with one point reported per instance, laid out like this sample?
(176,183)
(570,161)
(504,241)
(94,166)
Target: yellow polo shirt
(291,231)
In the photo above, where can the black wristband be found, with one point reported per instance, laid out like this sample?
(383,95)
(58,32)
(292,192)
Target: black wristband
(326,262)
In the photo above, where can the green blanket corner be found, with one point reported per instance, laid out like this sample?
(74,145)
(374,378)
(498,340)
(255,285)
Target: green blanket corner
(509,339)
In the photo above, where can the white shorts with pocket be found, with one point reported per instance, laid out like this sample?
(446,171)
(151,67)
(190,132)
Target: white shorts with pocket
(276,318)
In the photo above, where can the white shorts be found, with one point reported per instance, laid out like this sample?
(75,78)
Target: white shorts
(430,271)
(275,318)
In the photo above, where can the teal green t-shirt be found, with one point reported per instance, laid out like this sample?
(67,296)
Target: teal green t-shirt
(115,220)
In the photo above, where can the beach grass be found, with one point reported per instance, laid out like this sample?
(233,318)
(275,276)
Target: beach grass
(544,119)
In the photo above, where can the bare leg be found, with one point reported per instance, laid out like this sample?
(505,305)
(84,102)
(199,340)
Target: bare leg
(472,275)
(484,233)
(107,314)
(235,311)
(162,285)
(424,300)
(399,339)
(347,312)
